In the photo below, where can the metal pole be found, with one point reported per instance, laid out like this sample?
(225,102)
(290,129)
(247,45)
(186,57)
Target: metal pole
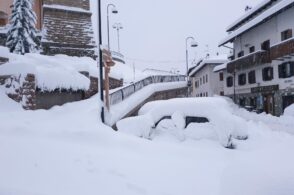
(118,40)
(108,38)
(100,87)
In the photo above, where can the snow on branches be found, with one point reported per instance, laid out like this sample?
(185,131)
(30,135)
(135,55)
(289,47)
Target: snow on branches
(22,33)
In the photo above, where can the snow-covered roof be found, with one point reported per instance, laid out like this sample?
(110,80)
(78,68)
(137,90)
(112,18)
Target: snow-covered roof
(212,60)
(220,67)
(67,8)
(248,14)
(260,18)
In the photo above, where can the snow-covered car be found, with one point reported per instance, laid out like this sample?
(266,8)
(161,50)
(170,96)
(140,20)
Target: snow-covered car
(188,118)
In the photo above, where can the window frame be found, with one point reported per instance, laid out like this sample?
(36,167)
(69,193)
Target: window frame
(269,68)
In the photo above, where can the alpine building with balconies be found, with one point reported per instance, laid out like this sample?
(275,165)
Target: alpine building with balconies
(260,73)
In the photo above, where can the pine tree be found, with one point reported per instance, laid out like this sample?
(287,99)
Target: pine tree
(22,37)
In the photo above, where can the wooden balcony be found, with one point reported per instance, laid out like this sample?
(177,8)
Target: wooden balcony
(282,50)
(253,59)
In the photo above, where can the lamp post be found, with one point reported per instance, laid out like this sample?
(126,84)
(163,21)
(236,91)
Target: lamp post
(100,62)
(118,27)
(114,11)
(193,44)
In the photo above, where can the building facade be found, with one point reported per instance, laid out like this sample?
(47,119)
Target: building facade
(205,82)
(260,74)
(65,26)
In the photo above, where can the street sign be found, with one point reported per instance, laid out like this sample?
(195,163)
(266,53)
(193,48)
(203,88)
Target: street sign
(107,58)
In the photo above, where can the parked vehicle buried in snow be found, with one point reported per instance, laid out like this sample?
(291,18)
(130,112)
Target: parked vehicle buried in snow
(188,118)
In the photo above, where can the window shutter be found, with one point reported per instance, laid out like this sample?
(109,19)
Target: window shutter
(281,71)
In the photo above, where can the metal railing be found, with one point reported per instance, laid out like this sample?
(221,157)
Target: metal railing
(121,94)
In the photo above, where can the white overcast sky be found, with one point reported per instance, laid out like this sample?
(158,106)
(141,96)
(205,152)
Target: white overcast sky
(155,30)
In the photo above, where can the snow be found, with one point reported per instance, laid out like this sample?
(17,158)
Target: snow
(248,13)
(67,8)
(267,13)
(220,67)
(211,60)
(58,72)
(121,109)
(62,71)
(67,150)
(289,111)
(225,124)
(126,72)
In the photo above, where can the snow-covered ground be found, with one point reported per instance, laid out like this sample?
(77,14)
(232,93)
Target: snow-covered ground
(67,150)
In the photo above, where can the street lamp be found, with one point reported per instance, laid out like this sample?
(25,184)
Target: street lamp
(114,11)
(118,27)
(193,44)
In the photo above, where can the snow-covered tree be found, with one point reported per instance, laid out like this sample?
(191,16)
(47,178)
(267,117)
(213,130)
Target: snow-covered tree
(22,33)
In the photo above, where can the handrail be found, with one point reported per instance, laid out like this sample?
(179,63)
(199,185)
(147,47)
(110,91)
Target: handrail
(125,92)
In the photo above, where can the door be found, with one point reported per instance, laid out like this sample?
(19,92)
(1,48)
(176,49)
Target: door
(269,104)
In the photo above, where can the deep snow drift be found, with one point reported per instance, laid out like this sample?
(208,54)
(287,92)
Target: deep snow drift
(66,150)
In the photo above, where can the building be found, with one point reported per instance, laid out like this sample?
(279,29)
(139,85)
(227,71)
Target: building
(260,73)
(205,82)
(65,26)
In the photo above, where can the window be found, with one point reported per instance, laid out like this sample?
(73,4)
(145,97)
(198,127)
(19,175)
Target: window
(221,76)
(242,79)
(206,78)
(206,94)
(203,79)
(287,34)
(200,81)
(252,49)
(286,70)
(266,45)
(251,77)
(268,74)
(230,81)
(222,93)
(240,54)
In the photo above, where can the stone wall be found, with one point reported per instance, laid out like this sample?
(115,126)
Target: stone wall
(68,32)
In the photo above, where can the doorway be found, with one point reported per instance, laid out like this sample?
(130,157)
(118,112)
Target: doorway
(269,103)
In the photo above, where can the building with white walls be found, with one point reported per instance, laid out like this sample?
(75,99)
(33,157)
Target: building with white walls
(260,74)
(205,82)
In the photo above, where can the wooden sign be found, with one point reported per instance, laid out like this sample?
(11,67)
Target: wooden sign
(107,58)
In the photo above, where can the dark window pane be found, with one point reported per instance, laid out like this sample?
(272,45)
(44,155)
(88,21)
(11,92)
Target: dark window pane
(230,82)
(251,77)
(268,74)
(242,79)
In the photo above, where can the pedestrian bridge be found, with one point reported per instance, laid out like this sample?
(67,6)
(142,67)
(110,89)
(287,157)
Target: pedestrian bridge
(127,101)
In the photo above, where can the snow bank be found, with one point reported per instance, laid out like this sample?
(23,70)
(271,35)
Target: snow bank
(289,111)
(61,71)
(67,150)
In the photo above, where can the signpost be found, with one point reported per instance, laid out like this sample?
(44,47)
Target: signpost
(108,63)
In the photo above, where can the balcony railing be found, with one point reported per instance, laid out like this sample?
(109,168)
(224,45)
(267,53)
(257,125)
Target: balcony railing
(282,49)
(121,94)
(253,59)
